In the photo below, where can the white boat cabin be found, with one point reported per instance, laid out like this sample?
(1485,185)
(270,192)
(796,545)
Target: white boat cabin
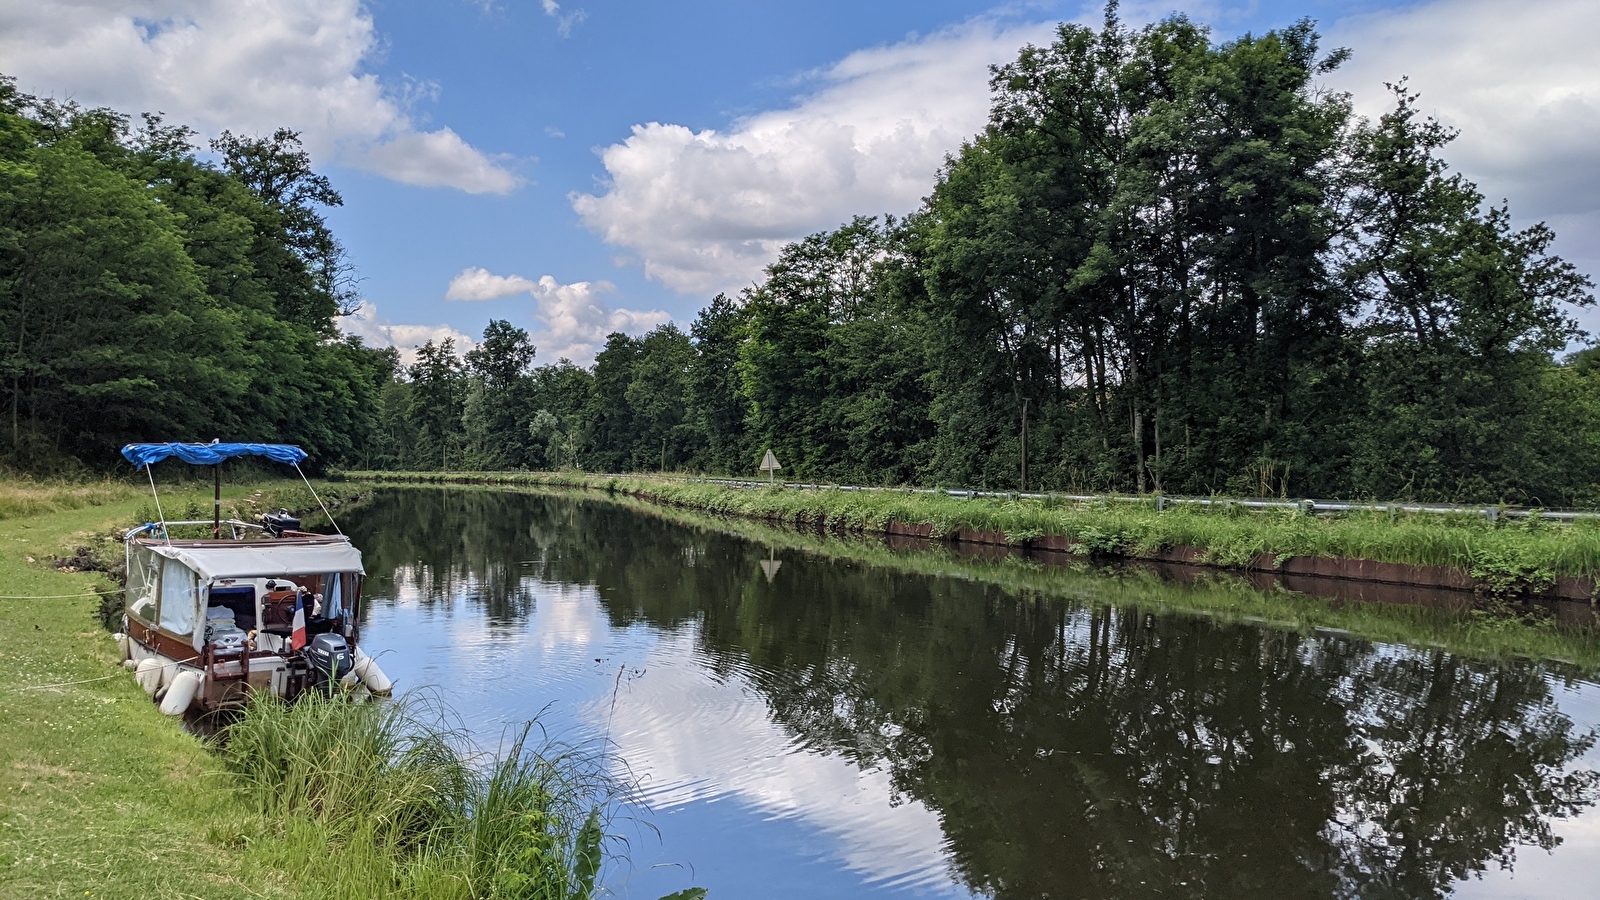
(211,620)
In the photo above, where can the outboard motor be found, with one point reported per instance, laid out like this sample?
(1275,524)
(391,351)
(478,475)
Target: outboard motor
(279,522)
(329,658)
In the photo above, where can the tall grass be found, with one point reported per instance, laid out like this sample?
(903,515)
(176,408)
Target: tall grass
(25,497)
(377,800)
(1528,551)
(1484,633)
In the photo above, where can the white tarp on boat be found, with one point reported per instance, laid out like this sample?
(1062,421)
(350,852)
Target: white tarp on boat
(264,559)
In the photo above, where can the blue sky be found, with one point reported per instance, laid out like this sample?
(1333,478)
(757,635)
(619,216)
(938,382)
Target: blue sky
(502,153)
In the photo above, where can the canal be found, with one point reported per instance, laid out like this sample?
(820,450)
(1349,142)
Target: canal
(826,718)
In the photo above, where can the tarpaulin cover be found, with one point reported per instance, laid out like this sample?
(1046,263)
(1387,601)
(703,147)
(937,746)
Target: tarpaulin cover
(142,455)
(263,559)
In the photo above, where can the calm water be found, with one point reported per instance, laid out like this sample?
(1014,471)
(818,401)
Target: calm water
(810,727)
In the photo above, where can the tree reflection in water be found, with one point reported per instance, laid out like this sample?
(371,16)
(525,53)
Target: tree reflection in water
(1069,751)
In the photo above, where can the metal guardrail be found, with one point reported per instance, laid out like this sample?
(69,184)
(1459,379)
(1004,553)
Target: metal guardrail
(1162,501)
(1159,501)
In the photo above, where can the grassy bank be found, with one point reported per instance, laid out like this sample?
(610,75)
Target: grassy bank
(373,801)
(1516,554)
(1480,628)
(100,794)
(1482,634)
(103,796)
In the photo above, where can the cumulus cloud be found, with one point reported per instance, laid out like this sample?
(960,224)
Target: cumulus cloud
(706,210)
(564,23)
(1521,82)
(249,67)
(481,284)
(574,318)
(377,331)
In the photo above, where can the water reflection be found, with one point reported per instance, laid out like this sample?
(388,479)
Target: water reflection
(939,734)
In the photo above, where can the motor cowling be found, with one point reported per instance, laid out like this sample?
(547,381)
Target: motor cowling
(279,522)
(328,657)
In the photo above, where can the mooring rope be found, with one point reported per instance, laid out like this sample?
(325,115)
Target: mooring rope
(60,684)
(81,593)
(45,687)
(319,500)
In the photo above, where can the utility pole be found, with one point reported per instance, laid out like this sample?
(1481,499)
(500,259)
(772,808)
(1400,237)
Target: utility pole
(1024,444)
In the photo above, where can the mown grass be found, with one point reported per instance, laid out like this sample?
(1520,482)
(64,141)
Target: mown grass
(1528,552)
(102,796)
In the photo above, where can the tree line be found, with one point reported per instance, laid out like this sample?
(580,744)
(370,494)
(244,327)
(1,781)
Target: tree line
(1167,263)
(1173,264)
(148,295)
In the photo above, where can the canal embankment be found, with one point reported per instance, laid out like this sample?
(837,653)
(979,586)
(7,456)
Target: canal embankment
(100,794)
(1526,556)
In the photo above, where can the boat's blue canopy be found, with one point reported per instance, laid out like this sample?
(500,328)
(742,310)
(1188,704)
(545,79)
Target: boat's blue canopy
(142,455)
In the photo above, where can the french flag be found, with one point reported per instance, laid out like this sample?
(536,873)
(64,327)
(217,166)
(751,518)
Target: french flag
(297,637)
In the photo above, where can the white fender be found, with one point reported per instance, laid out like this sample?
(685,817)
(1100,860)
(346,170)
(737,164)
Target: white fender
(366,668)
(148,674)
(122,644)
(130,664)
(169,673)
(184,686)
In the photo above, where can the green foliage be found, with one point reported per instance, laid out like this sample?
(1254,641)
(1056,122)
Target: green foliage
(1169,263)
(393,808)
(1182,264)
(147,295)
(1232,536)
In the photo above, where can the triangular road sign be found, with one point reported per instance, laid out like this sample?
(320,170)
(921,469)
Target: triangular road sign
(769,463)
(770,568)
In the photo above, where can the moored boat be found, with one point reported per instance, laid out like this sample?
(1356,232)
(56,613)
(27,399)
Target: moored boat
(264,607)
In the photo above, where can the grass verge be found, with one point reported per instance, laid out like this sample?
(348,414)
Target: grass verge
(1481,633)
(101,795)
(1510,555)
(1490,631)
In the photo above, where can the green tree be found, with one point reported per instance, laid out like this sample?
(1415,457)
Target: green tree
(437,396)
(496,409)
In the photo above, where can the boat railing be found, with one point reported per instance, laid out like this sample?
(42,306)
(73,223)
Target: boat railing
(158,529)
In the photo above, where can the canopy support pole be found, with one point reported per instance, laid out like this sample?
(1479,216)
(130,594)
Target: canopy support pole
(319,500)
(216,501)
(159,514)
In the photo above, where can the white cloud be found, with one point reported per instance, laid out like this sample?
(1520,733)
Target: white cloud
(707,210)
(574,318)
(246,66)
(481,284)
(377,331)
(1522,83)
(564,23)
(689,738)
